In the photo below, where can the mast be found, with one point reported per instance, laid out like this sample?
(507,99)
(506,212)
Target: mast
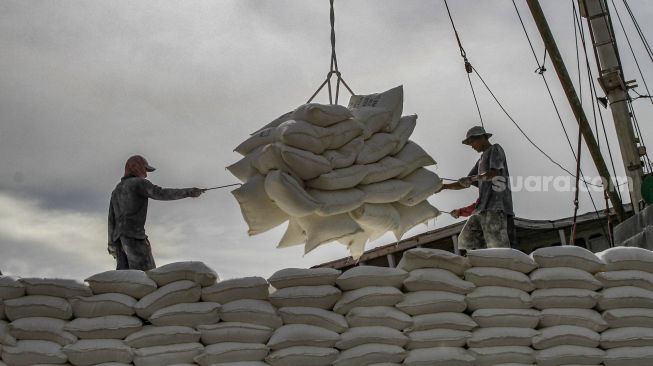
(612,80)
(576,106)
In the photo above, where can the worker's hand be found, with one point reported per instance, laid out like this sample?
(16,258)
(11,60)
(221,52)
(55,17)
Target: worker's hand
(196,192)
(455,213)
(112,250)
(465,182)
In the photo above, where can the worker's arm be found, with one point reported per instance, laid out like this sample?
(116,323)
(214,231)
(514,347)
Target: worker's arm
(492,173)
(111,248)
(464,211)
(455,186)
(155,192)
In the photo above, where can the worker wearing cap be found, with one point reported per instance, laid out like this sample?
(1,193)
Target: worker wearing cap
(128,211)
(491,214)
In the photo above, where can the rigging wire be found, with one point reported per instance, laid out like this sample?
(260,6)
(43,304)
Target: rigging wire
(577,156)
(468,65)
(334,66)
(641,74)
(632,51)
(555,106)
(647,46)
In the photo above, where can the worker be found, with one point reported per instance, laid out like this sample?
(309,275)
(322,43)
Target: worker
(491,218)
(128,243)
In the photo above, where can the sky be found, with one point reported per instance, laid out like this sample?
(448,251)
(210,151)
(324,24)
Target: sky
(85,85)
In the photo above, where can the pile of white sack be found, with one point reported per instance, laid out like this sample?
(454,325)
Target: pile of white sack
(500,307)
(435,298)
(337,174)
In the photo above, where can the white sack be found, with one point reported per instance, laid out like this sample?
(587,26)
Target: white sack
(321,114)
(382,170)
(413,157)
(409,217)
(255,288)
(171,294)
(391,100)
(490,276)
(365,276)
(130,282)
(195,271)
(336,179)
(346,155)
(372,118)
(259,211)
(251,311)
(568,256)
(433,258)
(324,229)
(368,296)
(55,287)
(425,184)
(337,202)
(507,258)
(292,277)
(234,332)
(314,316)
(321,297)
(425,302)
(386,192)
(435,279)
(378,316)
(289,195)
(377,147)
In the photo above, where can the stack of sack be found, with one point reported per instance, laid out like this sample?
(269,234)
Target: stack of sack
(375,325)
(627,305)
(174,310)
(310,331)
(566,294)
(337,174)
(39,321)
(501,306)
(435,298)
(247,320)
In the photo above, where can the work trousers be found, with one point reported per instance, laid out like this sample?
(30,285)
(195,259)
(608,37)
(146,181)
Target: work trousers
(134,254)
(486,229)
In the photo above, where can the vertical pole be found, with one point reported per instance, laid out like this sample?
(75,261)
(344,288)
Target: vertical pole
(563,238)
(613,82)
(576,106)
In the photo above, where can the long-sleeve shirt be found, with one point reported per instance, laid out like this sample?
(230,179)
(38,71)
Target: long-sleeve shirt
(128,207)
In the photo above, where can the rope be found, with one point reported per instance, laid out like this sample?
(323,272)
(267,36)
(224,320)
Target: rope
(333,70)
(220,187)
(555,106)
(468,65)
(576,194)
(632,51)
(639,31)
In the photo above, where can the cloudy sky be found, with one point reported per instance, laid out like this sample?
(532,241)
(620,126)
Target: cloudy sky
(86,84)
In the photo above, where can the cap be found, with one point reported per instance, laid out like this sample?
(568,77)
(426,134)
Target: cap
(148,167)
(475,132)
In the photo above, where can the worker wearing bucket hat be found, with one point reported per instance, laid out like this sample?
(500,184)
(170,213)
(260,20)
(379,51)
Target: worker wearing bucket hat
(128,242)
(491,222)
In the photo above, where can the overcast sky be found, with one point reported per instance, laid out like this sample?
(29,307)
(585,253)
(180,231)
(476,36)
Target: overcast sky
(86,84)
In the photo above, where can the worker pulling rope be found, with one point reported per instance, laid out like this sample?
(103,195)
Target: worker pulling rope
(334,67)
(468,66)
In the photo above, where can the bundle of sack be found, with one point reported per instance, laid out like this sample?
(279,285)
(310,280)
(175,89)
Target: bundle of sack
(335,173)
